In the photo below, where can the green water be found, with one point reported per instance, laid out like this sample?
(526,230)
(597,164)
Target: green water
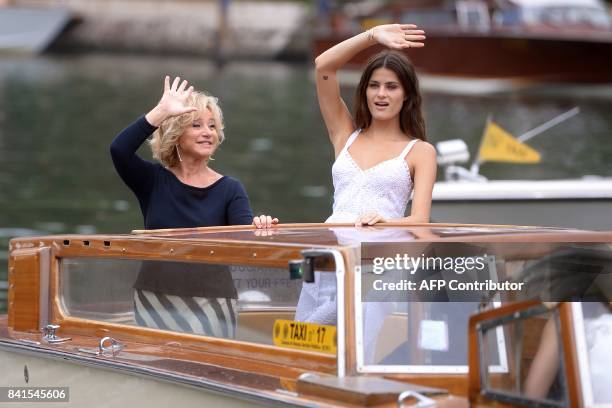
(59,114)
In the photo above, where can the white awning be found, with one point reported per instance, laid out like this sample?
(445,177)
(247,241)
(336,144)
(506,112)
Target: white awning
(559,3)
(568,189)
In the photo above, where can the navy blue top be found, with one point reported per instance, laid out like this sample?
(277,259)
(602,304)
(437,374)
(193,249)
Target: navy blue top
(166,202)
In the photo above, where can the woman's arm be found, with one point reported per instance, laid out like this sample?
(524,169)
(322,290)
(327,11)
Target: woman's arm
(545,363)
(336,115)
(425,169)
(238,207)
(134,171)
(239,210)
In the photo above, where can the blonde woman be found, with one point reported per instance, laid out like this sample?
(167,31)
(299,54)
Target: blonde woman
(182,190)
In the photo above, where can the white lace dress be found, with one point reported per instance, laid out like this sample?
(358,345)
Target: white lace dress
(384,188)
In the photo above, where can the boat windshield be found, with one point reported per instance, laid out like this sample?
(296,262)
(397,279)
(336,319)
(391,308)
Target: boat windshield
(593,332)
(535,348)
(233,301)
(540,364)
(414,300)
(419,336)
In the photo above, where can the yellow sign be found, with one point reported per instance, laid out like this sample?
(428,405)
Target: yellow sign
(499,145)
(305,336)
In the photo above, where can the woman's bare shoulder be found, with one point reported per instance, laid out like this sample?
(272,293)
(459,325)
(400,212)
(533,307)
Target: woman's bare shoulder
(423,149)
(422,155)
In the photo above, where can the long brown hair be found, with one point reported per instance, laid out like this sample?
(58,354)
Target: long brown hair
(411,117)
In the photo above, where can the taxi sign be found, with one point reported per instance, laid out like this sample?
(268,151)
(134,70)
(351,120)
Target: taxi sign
(305,336)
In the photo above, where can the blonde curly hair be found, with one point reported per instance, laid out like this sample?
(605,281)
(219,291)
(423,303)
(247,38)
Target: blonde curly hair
(167,135)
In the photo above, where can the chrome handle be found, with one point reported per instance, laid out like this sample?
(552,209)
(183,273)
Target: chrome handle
(422,401)
(106,346)
(49,334)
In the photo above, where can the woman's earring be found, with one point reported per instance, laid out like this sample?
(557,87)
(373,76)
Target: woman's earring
(178,152)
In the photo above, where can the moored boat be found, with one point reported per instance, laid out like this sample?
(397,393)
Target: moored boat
(467,196)
(573,203)
(519,40)
(30,30)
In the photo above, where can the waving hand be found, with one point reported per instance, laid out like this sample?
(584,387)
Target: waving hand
(172,102)
(399,36)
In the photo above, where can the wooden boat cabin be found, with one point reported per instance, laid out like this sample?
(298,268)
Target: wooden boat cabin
(511,41)
(291,316)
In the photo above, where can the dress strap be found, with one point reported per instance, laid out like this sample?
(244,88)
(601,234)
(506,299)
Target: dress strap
(350,140)
(408,148)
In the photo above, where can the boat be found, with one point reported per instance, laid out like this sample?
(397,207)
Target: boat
(573,203)
(72,332)
(30,30)
(465,195)
(522,41)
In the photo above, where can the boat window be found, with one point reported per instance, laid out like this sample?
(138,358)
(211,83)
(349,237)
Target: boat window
(420,337)
(240,302)
(399,332)
(568,17)
(414,300)
(593,332)
(430,17)
(535,368)
(473,14)
(507,17)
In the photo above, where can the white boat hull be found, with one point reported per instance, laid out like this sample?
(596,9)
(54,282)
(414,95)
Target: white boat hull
(580,203)
(30,30)
(581,214)
(103,387)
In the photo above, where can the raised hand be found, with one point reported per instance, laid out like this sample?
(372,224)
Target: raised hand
(172,102)
(399,36)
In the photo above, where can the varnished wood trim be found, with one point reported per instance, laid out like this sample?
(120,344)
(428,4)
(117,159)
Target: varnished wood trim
(326,225)
(351,261)
(231,253)
(222,351)
(572,369)
(473,351)
(136,244)
(455,384)
(218,349)
(24,288)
